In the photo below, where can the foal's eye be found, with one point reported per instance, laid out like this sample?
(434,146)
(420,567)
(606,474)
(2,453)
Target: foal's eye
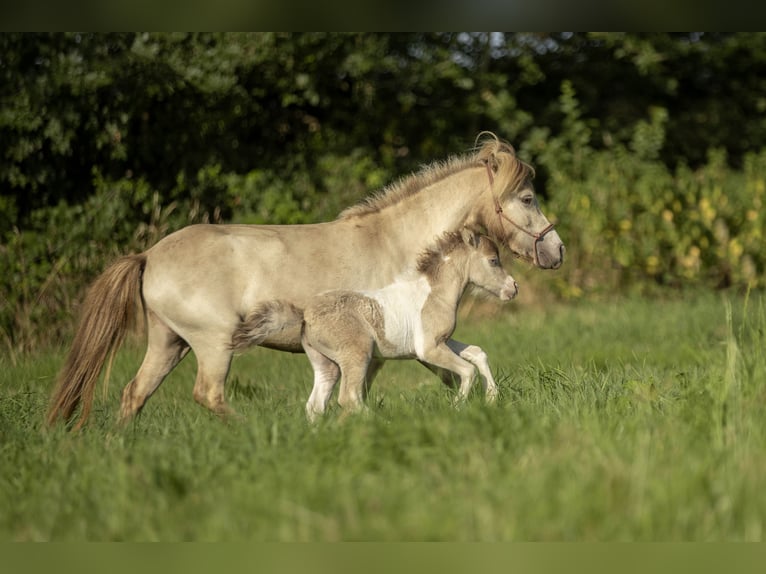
(494,262)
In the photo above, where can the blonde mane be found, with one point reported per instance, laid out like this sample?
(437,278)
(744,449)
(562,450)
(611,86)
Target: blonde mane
(509,172)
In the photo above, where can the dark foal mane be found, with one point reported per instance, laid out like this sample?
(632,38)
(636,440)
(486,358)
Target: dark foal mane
(431,260)
(498,155)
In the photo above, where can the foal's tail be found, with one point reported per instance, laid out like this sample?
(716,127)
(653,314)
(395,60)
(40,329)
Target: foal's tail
(265,320)
(107,313)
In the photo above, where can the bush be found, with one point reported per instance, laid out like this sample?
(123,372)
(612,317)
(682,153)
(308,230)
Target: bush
(63,247)
(632,223)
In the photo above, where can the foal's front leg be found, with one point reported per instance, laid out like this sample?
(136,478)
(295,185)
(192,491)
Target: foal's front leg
(443,357)
(476,356)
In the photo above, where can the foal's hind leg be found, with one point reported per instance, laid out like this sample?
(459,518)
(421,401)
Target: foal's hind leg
(326,374)
(164,351)
(354,363)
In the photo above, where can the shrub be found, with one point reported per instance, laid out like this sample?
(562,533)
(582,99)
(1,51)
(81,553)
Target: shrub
(632,223)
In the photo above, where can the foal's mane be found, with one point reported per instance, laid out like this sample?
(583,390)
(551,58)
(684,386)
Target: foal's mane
(509,172)
(432,258)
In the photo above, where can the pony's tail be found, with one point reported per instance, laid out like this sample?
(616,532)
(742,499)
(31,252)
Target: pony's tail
(107,314)
(265,320)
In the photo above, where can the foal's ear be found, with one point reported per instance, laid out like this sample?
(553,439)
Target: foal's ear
(470,237)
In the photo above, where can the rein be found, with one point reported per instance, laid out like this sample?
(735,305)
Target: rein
(538,237)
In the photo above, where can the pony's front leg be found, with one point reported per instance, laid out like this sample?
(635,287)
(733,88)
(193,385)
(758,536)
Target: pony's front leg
(477,357)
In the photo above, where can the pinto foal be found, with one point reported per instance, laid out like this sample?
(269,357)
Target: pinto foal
(414,317)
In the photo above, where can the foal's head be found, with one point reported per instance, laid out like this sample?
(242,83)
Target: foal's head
(477,259)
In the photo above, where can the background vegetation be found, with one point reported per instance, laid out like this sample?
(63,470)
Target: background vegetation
(649,147)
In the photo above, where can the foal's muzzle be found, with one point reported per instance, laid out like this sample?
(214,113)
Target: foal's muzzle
(509,290)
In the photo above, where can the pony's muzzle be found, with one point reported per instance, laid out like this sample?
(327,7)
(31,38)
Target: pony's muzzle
(549,250)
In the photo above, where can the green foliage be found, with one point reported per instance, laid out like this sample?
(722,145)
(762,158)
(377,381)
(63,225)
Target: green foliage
(63,247)
(111,141)
(648,429)
(631,222)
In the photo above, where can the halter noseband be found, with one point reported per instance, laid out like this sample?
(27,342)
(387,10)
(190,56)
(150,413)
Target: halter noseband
(538,237)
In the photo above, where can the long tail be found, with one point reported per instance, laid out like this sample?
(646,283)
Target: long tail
(108,312)
(266,319)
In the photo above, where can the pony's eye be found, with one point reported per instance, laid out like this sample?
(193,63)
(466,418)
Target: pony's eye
(528,200)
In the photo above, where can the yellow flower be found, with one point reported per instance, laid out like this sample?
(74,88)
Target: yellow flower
(652,264)
(707,210)
(735,249)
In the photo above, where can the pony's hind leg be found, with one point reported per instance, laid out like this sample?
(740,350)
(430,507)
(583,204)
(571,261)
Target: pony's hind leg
(376,364)
(164,350)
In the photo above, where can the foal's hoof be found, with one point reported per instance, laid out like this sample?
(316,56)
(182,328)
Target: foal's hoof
(350,413)
(458,401)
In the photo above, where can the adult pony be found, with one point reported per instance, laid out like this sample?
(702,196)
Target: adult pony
(198,284)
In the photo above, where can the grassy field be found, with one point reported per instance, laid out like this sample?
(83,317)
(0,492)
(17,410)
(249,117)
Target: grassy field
(631,420)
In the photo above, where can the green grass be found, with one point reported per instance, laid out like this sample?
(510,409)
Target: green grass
(626,420)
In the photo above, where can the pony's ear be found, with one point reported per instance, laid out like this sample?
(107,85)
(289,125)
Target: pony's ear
(487,146)
(492,162)
(470,237)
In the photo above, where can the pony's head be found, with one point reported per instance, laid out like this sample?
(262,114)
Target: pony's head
(514,218)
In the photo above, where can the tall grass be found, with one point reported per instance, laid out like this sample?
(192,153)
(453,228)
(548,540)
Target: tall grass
(626,420)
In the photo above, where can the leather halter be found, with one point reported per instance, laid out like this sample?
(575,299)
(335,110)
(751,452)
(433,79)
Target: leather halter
(538,237)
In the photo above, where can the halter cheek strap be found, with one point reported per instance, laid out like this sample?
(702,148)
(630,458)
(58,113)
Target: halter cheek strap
(538,237)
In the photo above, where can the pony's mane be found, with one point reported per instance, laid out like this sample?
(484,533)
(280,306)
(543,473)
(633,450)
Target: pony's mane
(489,150)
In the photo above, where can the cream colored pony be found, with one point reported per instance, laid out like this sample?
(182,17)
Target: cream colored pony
(198,284)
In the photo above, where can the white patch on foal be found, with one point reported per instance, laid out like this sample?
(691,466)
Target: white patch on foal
(402,304)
